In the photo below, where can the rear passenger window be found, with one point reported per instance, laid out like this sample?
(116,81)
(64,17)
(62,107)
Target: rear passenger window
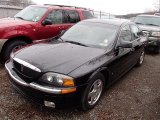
(125,34)
(87,15)
(135,30)
(71,16)
(56,17)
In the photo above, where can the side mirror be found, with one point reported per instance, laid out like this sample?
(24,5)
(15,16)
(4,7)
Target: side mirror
(46,22)
(125,44)
(140,33)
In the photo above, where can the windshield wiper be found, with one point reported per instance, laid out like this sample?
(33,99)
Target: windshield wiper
(139,23)
(20,18)
(61,39)
(152,24)
(77,43)
(55,38)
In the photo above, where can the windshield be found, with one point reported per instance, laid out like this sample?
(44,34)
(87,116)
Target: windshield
(92,34)
(31,13)
(147,20)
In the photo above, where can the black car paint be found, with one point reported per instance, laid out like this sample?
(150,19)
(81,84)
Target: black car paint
(67,56)
(113,63)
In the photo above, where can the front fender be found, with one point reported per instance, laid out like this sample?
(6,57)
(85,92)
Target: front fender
(97,71)
(92,66)
(18,34)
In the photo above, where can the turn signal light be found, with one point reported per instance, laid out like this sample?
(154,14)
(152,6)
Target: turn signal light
(70,90)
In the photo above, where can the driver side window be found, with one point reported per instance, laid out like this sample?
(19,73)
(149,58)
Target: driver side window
(125,34)
(135,30)
(56,17)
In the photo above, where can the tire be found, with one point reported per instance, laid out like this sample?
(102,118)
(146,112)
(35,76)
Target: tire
(157,50)
(86,102)
(141,59)
(10,47)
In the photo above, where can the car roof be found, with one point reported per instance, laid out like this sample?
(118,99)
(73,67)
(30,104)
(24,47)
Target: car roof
(143,15)
(116,22)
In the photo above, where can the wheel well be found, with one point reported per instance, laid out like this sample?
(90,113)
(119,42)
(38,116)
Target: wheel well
(105,72)
(23,38)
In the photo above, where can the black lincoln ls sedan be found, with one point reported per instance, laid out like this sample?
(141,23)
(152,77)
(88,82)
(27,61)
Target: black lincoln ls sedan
(79,65)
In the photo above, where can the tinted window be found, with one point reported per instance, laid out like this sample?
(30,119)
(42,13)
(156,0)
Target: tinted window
(87,15)
(148,20)
(135,30)
(71,16)
(125,34)
(92,34)
(56,17)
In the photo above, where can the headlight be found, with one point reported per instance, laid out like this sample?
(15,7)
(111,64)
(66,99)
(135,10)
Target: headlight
(156,34)
(57,80)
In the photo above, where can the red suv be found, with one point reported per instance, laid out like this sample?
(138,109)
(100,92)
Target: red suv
(37,23)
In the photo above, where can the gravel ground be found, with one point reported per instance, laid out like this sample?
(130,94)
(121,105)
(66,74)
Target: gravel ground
(135,97)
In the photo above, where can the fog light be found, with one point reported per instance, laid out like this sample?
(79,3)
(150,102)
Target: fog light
(49,104)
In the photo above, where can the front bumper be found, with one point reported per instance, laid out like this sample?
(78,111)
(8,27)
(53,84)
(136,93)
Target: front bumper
(40,94)
(153,41)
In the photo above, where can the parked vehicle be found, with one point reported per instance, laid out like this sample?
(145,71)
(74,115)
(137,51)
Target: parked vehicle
(77,67)
(158,14)
(150,23)
(36,23)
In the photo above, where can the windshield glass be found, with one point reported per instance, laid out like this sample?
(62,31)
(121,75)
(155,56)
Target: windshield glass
(147,20)
(92,34)
(31,13)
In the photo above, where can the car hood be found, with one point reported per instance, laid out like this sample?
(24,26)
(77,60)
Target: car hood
(59,58)
(149,28)
(9,22)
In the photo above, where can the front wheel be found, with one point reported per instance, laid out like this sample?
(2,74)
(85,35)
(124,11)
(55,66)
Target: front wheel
(11,46)
(93,92)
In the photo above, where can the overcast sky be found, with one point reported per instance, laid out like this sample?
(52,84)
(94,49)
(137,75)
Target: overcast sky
(110,6)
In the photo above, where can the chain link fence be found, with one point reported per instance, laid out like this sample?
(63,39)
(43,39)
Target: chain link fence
(103,15)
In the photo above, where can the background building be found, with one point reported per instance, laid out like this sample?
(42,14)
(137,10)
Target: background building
(8,8)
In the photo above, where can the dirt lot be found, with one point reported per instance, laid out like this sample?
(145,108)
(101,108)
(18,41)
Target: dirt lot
(135,97)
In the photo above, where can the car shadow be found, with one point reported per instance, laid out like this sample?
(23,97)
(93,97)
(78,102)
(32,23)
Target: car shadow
(60,112)
(152,53)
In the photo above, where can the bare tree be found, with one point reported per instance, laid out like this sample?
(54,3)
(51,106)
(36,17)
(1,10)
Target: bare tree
(20,3)
(157,5)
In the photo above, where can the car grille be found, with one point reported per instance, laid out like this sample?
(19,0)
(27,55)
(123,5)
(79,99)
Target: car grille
(25,73)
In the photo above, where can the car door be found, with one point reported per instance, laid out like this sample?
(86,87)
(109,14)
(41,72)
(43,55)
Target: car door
(137,42)
(122,56)
(48,31)
(70,17)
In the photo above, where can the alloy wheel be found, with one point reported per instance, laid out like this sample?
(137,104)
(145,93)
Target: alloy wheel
(95,92)
(141,58)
